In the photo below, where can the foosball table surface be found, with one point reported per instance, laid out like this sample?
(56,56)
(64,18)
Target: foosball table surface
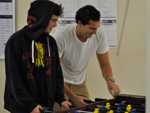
(137,103)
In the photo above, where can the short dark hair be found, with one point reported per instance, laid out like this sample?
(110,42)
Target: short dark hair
(87,13)
(58,10)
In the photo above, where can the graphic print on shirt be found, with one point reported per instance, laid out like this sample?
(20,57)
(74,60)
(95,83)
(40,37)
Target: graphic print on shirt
(39,61)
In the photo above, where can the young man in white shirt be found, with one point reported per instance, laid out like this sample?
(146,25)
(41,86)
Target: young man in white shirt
(76,45)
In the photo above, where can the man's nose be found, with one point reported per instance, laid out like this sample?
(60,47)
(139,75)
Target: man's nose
(55,25)
(95,31)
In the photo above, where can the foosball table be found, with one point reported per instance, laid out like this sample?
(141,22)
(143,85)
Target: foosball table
(123,103)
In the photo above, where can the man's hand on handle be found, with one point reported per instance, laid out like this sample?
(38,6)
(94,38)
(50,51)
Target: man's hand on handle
(37,109)
(113,88)
(65,105)
(79,100)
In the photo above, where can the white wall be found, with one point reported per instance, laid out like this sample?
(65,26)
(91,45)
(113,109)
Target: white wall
(148,59)
(129,67)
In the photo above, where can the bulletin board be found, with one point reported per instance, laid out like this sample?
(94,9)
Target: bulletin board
(7,23)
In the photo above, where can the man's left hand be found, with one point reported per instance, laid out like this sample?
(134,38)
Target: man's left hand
(113,88)
(65,105)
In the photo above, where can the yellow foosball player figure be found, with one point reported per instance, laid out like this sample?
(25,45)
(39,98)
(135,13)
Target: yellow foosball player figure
(96,110)
(111,111)
(129,108)
(108,106)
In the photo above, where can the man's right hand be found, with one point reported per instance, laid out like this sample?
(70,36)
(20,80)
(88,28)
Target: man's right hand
(79,100)
(37,109)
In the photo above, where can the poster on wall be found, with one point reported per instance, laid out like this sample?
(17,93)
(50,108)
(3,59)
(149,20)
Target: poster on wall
(7,23)
(107,8)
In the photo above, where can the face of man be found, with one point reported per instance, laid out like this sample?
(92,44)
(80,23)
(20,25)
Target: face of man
(90,29)
(52,24)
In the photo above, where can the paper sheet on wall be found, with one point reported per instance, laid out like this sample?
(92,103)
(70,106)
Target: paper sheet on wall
(7,23)
(108,9)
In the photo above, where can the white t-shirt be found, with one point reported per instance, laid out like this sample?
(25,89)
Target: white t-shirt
(75,54)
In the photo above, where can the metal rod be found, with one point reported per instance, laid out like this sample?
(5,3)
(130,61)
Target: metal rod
(122,31)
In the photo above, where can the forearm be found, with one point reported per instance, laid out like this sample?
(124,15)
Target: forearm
(107,71)
(105,65)
(68,92)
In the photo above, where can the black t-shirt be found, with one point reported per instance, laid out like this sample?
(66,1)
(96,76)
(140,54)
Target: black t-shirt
(39,70)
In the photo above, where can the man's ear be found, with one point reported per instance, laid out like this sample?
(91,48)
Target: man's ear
(79,23)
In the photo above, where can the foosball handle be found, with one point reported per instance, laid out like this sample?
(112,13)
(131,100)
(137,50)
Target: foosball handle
(41,110)
(72,106)
(99,99)
(88,101)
